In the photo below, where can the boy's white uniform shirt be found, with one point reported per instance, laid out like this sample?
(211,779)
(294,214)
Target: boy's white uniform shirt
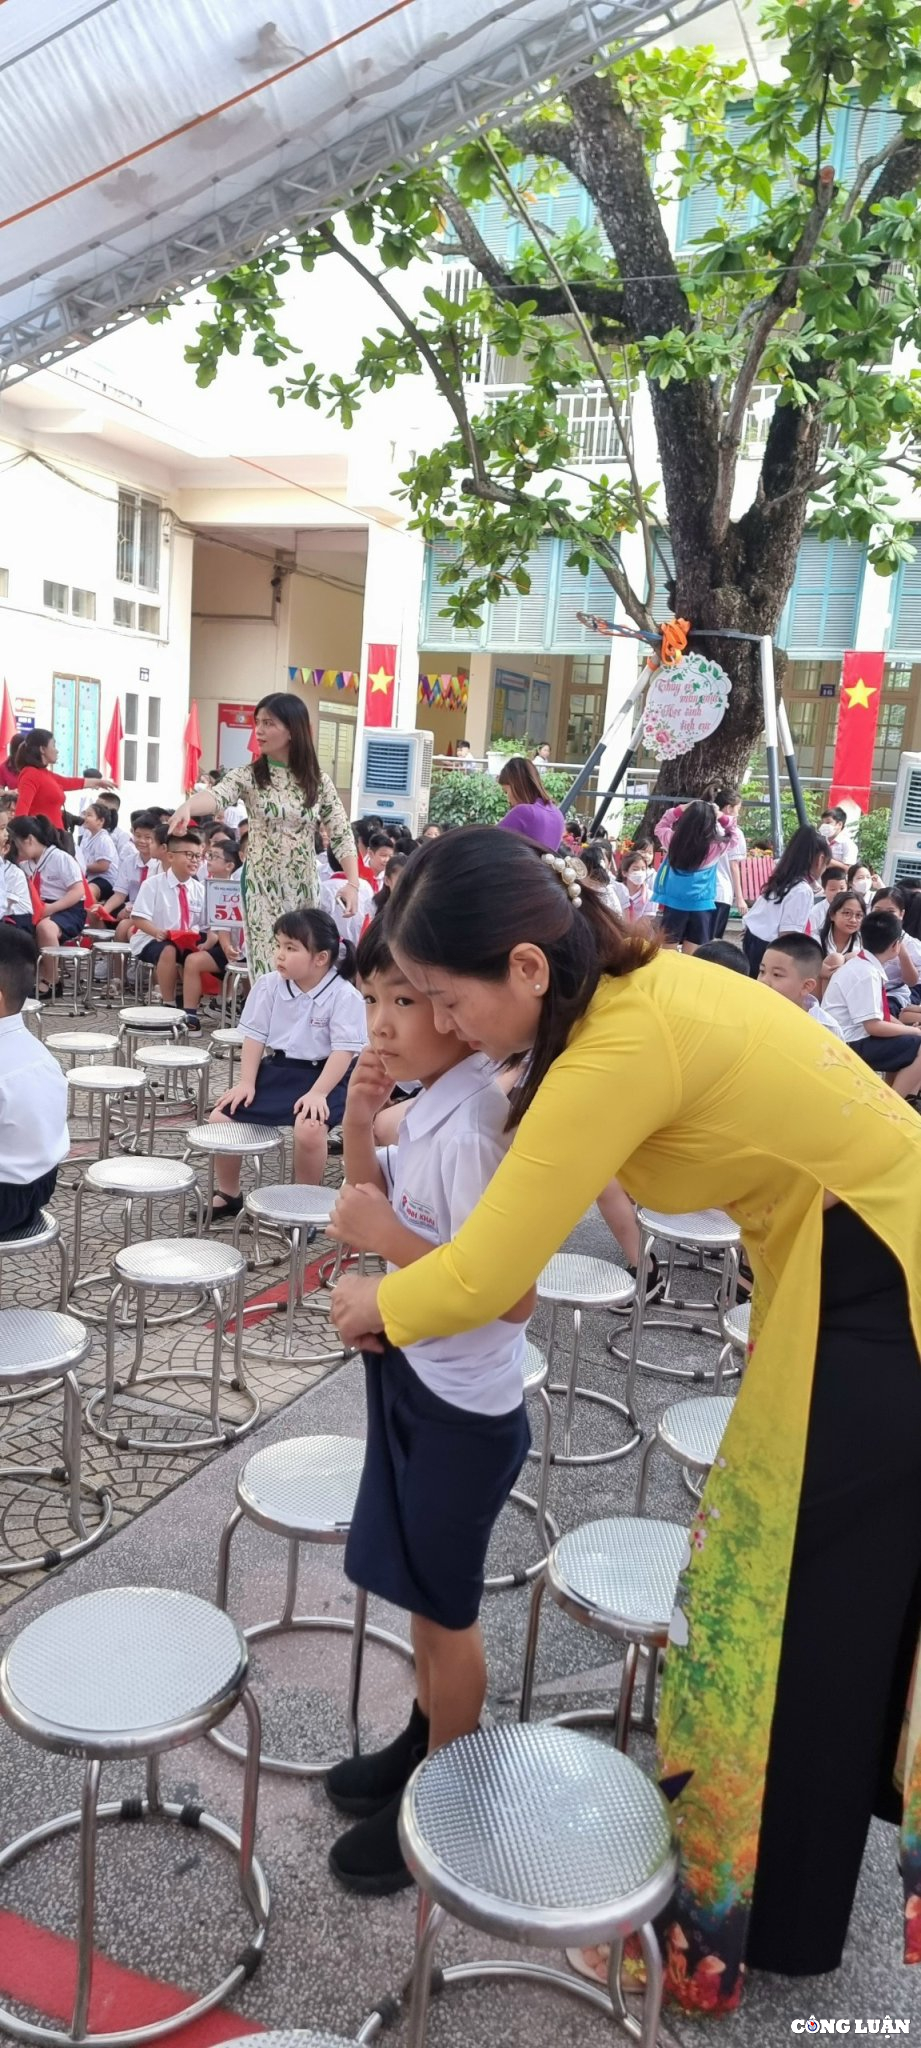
(15,900)
(132,871)
(159,901)
(855,994)
(350,928)
(33,1106)
(306,1024)
(820,1016)
(450,1143)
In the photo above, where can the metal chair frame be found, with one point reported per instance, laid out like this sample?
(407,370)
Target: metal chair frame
(124,1285)
(29,1379)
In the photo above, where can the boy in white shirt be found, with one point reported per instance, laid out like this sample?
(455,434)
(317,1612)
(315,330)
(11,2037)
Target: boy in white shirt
(792,966)
(856,999)
(833,827)
(168,905)
(33,1095)
(447,1428)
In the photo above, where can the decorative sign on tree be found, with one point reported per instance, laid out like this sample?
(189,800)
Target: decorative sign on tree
(685,703)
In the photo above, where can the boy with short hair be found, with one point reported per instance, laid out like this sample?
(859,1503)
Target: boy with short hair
(792,965)
(856,999)
(833,827)
(169,902)
(447,1429)
(34,1137)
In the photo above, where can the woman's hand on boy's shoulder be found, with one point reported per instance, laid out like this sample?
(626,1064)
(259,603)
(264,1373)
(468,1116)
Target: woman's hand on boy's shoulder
(369,1087)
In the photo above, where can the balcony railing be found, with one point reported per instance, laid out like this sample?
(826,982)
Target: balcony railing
(591,422)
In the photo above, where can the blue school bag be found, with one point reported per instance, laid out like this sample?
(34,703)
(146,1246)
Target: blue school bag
(694,890)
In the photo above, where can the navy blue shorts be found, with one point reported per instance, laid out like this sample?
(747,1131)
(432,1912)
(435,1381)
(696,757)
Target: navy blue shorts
(70,922)
(152,951)
(280,1083)
(435,1480)
(694,925)
(887,1055)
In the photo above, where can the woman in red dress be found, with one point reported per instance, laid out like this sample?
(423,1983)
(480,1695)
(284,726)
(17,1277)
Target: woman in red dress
(40,794)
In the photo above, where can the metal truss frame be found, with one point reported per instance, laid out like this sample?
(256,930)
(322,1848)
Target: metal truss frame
(559,51)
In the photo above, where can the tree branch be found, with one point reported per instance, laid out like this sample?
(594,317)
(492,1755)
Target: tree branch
(771,311)
(638,611)
(481,256)
(866,170)
(491,493)
(545,138)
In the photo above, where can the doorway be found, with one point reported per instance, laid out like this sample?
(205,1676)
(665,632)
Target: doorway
(336,728)
(75,723)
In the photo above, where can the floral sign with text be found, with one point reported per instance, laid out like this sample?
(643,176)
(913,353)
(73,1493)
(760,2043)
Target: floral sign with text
(685,703)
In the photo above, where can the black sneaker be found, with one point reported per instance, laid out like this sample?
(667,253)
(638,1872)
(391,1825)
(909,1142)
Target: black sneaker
(368,1859)
(192,1021)
(364,1785)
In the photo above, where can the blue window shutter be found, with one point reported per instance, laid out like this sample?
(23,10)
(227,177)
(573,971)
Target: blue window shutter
(578,593)
(820,616)
(859,132)
(905,630)
(521,620)
(434,631)
(703,207)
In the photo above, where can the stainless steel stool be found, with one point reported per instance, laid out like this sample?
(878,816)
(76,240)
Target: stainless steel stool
(292,2037)
(42,1235)
(736,1329)
(37,1349)
(171,1265)
(173,1062)
(139,1182)
(536,1375)
(80,959)
(707,1232)
(537,1835)
(227,1042)
(296,1214)
(111,952)
(238,1141)
(570,1281)
(149,1020)
(304,1489)
(690,1432)
(231,984)
(133,1671)
(33,1016)
(82,1045)
(108,1084)
(619,1577)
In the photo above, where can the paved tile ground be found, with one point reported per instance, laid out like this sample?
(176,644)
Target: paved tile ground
(170,1908)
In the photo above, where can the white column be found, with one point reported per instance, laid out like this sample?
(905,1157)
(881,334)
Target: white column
(623,666)
(392,602)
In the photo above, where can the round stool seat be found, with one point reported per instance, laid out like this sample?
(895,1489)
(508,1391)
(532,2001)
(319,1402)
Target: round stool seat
(106,1080)
(584,1282)
(151,1017)
(707,1229)
(82,1041)
(104,943)
(44,1229)
(172,1056)
(291,2037)
(130,1176)
(284,1204)
(539,1831)
(304,1487)
(693,1430)
(536,1368)
(123,1672)
(73,952)
(178,1262)
(37,1343)
(231,1137)
(736,1323)
(621,1571)
(227,1035)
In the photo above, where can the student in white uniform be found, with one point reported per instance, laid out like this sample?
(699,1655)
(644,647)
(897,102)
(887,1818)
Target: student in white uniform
(33,1095)
(833,827)
(787,901)
(856,999)
(97,852)
(169,911)
(58,879)
(15,901)
(447,1429)
(303,1027)
(349,928)
(792,966)
(728,802)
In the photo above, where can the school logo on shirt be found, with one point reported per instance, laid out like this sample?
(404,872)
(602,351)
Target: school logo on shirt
(418,1215)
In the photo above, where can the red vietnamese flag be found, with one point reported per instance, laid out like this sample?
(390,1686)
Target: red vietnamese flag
(112,751)
(8,726)
(861,684)
(381,690)
(191,742)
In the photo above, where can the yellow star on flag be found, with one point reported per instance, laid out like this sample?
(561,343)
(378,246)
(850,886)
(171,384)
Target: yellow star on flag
(382,679)
(860,693)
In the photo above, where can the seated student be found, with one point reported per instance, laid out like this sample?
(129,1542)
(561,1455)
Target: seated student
(33,1095)
(904,972)
(840,932)
(391,874)
(635,881)
(447,1428)
(219,947)
(136,863)
(303,1027)
(112,801)
(57,878)
(857,1001)
(831,882)
(15,901)
(170,902)
(97,852)
(349,928)
(793,966)
(723,953)
(833,827)
(380,849)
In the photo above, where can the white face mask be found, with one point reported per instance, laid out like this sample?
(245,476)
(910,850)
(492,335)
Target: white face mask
(864,889)
(636,878)
(830,830)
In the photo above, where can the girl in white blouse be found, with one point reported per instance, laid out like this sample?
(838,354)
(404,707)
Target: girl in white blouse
(303,1026)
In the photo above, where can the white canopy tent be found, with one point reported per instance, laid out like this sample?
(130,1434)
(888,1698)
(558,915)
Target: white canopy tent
(145,146)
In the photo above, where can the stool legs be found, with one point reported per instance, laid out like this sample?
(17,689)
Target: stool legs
(86,1895)
(429,1922)
(530,1652)
(572,1393)
(224,1301)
